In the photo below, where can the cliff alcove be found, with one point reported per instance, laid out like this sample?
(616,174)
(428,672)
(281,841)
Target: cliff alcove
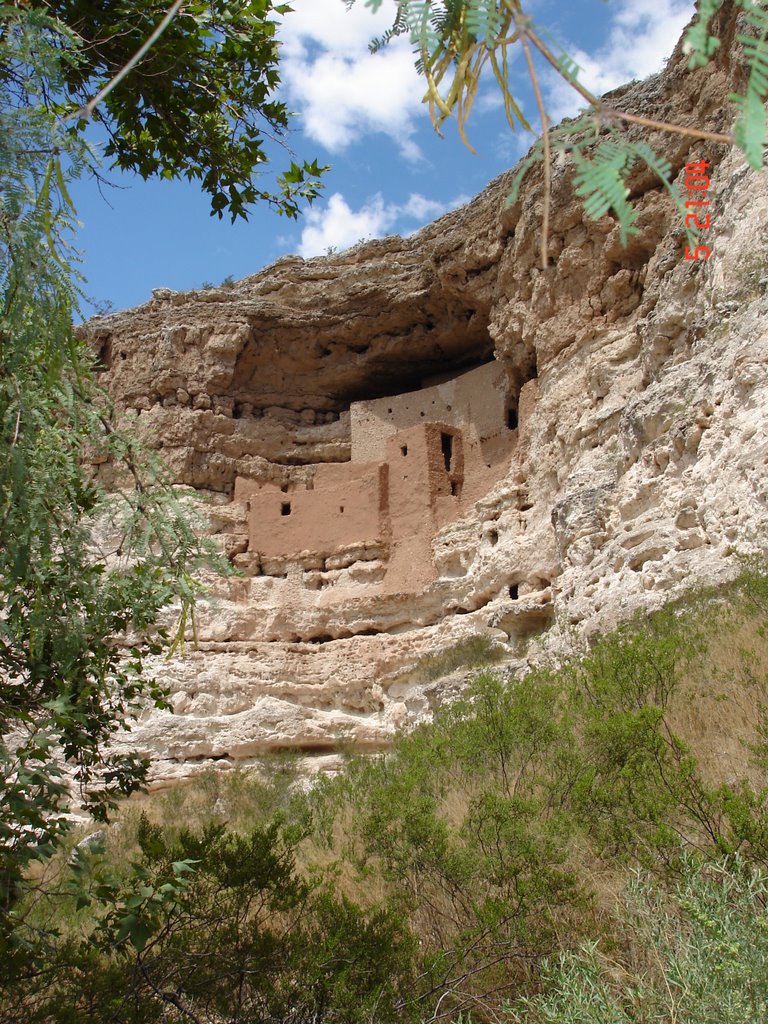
(593,440)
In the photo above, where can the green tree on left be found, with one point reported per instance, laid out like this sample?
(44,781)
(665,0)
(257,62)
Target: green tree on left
(200,104)
(85,575)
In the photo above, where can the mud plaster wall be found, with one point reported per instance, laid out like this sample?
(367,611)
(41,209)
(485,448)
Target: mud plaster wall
(345,506)
(474,401)
(424,493)
(404,499)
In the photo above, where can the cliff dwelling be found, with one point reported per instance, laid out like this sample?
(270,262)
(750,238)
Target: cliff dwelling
(379,515)
(419,460)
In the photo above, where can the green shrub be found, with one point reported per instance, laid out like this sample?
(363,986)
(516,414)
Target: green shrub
(491,834)
(697,954)
(493,824)
(216,925)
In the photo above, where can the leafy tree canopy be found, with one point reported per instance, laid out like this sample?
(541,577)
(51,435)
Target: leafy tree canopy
(200,104)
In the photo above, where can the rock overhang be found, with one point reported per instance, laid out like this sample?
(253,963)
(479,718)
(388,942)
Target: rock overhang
(639,472)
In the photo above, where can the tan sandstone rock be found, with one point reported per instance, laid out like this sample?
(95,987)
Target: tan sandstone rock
(615,453)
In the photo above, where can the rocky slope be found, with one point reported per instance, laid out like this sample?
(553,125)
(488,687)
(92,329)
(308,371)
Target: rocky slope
(641,467)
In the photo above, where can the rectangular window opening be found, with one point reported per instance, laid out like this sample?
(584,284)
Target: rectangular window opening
(403,449)
(285,508)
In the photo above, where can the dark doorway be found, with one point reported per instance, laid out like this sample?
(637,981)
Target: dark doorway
(285,508)
(446,443)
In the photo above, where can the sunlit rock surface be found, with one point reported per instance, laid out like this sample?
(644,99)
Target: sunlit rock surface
(625,434)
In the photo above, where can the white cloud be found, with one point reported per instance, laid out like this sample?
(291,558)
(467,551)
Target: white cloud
(342,91)
(490,99)
(510,146)
(333,27)
(336,225)
(422,209)
(642,36)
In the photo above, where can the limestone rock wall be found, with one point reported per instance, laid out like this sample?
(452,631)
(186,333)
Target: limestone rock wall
(640,463)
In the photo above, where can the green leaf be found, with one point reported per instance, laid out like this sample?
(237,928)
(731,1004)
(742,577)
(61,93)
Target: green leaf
(601,182)
(750,127)
(183,867)
(125,927)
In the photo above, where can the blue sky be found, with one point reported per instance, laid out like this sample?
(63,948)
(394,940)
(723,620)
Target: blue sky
(362,114)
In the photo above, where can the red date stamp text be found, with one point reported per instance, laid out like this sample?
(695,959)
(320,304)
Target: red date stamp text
(696,186)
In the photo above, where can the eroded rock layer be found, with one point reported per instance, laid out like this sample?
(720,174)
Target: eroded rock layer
(621,456)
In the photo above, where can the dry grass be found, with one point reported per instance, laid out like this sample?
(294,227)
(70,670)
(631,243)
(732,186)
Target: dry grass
(717,709)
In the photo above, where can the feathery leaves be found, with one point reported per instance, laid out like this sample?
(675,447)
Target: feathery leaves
(455,40)
(750,127)
(601,183)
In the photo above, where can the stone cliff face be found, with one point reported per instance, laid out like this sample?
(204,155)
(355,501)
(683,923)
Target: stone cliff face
(424,439)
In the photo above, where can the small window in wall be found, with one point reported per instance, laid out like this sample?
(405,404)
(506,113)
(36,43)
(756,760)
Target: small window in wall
(403,449)
(512,417)
(284,488)
(285,508)
(247,506)
(446,443)
(455,488)
(341,508)
(514,591)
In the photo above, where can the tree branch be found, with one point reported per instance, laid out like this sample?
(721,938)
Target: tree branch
(543,117)
(611,113)
(87,109)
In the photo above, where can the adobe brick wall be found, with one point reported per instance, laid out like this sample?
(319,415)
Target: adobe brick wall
(346,506)
(423,491)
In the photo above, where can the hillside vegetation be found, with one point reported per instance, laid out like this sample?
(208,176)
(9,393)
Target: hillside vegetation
(587,844)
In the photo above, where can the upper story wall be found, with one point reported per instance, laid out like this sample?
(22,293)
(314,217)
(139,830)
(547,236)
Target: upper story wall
(475,402)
